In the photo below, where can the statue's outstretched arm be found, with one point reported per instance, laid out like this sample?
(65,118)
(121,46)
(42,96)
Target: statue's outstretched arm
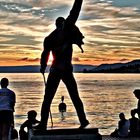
(74,13)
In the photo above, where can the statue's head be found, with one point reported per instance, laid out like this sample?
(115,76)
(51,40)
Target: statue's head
(59,22)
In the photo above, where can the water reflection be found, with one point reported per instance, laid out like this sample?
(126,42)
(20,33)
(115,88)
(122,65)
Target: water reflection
(104,97)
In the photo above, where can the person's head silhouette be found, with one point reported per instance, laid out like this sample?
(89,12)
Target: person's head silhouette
(32,115)
(133,112)
(137,93)
(122,116)
(4,82)
(59,22)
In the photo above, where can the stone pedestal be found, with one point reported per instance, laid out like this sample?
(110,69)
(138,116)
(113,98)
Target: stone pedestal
(65,134)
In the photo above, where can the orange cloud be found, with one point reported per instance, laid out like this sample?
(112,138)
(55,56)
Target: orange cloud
(26,59)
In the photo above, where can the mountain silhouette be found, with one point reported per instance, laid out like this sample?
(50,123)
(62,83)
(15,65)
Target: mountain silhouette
(129,67)
(36,68)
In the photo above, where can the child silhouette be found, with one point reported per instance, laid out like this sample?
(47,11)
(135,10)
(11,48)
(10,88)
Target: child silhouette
(28,124)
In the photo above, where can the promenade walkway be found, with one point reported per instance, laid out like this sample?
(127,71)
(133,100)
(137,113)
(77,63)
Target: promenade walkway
(107,137)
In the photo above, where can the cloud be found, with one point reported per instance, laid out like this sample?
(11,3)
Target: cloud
(124,60)
(26,59)
(111,29)
(38,8)
(76,59)
(19,40)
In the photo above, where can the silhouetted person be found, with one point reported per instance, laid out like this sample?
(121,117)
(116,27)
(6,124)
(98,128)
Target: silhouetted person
(134,122)
(62,107)
(60,43)
(137,95)
(123,127)
(7,103)
(28,124)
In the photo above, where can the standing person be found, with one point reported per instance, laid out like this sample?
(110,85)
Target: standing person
(62,107)
(134,122)
(7,103)
(137,110)
(137,95)
(60,43)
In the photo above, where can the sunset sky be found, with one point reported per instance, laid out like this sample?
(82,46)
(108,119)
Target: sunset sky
(111,29)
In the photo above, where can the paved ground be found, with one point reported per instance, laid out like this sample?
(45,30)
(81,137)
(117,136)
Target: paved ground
(111,138)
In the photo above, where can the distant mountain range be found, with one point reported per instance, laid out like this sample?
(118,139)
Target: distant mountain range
(130,67)
(36,68)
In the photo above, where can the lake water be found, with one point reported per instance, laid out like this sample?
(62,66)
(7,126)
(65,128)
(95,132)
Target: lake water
(104,97)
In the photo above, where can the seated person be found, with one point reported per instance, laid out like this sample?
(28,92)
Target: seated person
(133,124)
(28,124)
(123,127)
